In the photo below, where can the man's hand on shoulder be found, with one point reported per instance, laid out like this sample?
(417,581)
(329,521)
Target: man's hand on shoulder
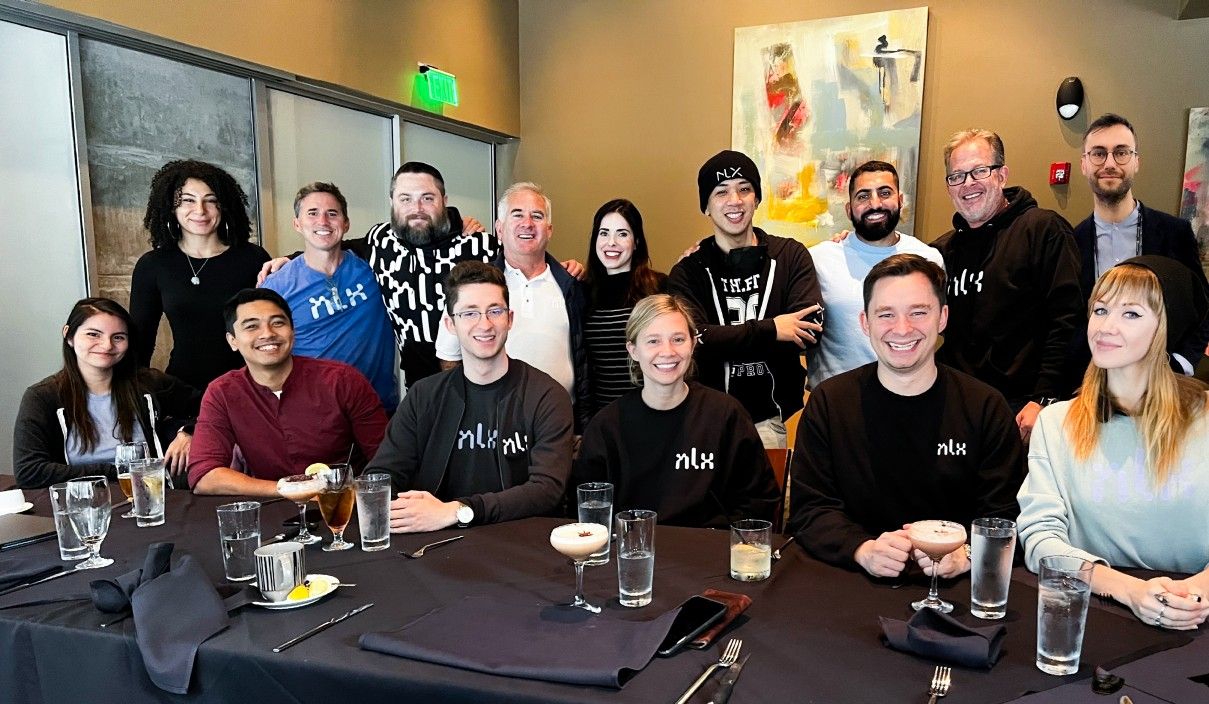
(886,556)
(270,267)
(688,252)
(470,226)
(1026,419)
(420,512)
(575,269)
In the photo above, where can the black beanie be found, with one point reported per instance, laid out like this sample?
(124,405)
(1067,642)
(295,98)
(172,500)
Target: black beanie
(724,166)
(1184,296)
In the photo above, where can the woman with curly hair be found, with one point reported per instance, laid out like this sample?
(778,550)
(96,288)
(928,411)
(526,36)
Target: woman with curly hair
(70,423)
(619,275)
(1118,475)
(200,256)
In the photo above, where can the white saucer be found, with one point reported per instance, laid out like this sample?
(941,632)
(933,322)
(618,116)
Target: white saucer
(19,508)
(279,605)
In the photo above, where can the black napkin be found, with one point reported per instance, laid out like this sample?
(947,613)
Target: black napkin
(27,568)
(113,595)
(520,637)
(936,636)
(168,636)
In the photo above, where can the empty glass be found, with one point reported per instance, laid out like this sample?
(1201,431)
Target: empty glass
(88,509)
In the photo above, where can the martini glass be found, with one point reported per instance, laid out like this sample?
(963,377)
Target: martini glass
(578,541)
(301,488)
(935,539)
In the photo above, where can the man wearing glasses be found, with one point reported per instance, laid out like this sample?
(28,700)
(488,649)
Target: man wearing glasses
(486,441)
(1121,227)
(1013,272)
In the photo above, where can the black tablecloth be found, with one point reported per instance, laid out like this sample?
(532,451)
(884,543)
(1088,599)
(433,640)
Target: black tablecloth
(812,630)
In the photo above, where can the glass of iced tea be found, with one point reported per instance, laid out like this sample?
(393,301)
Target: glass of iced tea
(124,454)
(935,539)
(336,500)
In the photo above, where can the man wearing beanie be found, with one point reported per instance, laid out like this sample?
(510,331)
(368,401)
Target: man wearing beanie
(757,299)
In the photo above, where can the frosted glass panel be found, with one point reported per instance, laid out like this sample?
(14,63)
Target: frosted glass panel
(465,163)
(317,141)
(43,248)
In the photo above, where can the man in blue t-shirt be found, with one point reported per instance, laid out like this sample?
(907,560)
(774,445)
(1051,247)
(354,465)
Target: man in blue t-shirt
(334,298)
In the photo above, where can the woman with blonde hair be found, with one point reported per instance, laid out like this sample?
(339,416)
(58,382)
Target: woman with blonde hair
(688,452)
(1119,474)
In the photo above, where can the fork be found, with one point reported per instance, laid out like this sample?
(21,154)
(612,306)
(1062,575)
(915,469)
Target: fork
(729,656)
(420,553)
(941,679)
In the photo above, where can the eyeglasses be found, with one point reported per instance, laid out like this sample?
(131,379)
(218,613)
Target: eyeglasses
(473,316)
(978,173)
(1099,155)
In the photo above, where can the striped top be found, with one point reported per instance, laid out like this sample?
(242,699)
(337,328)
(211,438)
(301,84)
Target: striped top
(604,335)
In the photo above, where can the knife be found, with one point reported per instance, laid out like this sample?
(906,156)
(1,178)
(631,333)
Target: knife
(56,575)
(323,626)
(728,683)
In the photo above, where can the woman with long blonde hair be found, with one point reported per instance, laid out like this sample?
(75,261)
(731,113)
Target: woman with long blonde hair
(1120,474)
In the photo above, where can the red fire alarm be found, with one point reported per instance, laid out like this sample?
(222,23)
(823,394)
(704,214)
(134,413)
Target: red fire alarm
(1059,173)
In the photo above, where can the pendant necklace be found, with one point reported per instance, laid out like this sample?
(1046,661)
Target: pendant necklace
(194,280)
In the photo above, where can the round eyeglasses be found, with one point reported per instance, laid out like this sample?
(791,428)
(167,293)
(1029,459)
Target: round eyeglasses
(1099,155)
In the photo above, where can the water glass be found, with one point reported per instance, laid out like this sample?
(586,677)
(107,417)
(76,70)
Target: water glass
(88,510)
(1063,593)
(373,510)
(239,535)
(596,506)
(636,557)
(750,550)
(70,547)
(147,481)
(992,545)
(279,568)
(123,455)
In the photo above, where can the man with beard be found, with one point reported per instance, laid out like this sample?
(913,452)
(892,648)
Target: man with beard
(757,297)
(1013,281)
(874,205)
(1121,227)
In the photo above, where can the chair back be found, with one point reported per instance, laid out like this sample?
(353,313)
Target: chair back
(780,459)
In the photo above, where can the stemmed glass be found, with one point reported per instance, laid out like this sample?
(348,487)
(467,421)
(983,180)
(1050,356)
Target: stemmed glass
(126,453)
(88,509)
(578,541)
(301,488)
(935,539)
(336,501)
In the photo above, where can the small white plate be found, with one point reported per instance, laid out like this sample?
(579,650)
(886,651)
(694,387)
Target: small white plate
(19,508)
(278,605)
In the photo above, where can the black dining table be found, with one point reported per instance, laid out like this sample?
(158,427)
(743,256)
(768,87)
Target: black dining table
(812,631)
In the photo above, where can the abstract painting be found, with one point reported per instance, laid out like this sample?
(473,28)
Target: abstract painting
(1194,201)
(813,100)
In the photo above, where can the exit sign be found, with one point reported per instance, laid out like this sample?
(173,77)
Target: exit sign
(442,86)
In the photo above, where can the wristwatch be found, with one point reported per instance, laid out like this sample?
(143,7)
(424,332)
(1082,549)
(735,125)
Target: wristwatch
(465,514)
(1046,401)
(968,550)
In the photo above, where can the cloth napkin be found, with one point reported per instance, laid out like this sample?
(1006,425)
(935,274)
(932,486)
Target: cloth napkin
(27,568)
(518,637)
(175,611)
(735,605)
(936,636)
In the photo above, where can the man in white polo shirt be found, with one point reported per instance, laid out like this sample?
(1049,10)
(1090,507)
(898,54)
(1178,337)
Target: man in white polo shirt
(547,302)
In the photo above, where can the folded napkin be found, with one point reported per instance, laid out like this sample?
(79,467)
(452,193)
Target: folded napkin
(936,636)
(175,611)
(518,637)
(27,568)
(735,605)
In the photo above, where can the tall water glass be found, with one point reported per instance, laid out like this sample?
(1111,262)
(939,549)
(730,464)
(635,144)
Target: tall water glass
(992,544)
(123,455)
(239,534)
(636,557)
(373,510)
(596,506)
(70,547)
(1063,593)
(88,510)
(147,480)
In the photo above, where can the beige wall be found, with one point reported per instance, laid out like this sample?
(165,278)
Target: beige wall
(367,45)
(628,98)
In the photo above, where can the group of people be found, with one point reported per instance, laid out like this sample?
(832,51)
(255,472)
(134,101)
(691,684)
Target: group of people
(944,380)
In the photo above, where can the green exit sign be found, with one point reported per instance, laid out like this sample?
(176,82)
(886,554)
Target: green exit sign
(442,86)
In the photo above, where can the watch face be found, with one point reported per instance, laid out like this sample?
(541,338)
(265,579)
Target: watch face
(465,514)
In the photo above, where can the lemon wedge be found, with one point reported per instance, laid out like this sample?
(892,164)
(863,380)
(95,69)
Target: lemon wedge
(317,468)
(302,591)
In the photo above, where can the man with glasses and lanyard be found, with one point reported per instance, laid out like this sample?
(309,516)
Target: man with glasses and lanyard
(1013,272)
(1121,227)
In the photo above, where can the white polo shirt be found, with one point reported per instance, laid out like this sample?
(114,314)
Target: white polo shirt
(541,331)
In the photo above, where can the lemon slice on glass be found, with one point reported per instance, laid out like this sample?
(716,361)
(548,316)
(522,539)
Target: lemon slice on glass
(317,468)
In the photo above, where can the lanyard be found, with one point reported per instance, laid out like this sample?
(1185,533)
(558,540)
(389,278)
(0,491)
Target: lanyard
(1137,242)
